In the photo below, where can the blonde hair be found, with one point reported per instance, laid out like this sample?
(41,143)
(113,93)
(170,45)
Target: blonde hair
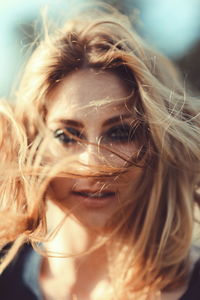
(156,233)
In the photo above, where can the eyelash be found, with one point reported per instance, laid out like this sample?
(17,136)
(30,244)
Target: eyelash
(117,134)
(65,135)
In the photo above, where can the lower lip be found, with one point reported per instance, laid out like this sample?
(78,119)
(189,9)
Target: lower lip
(95,202)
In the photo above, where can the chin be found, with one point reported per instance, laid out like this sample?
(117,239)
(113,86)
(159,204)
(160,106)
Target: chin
(93,221)
(93,214)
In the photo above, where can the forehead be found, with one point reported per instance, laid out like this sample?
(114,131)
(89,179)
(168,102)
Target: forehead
(89,91)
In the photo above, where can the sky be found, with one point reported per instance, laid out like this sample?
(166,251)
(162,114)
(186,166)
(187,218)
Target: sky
(172,26)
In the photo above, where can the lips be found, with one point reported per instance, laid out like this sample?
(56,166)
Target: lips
(96,194)
(94,198)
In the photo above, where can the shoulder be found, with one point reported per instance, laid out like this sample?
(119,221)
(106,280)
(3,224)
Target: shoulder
(193,290)
(16,266)
(12,283)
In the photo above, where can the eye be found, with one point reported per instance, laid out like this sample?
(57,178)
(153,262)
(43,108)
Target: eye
(120,133)
(66,135)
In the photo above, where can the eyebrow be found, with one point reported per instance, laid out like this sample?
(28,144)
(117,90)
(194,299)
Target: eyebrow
(70,123)
(110,121)
(117,119)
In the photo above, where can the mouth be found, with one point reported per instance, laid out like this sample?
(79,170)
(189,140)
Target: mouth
(95,198)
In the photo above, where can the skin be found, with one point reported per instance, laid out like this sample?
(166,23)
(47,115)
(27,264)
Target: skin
(86,222)
(69,103)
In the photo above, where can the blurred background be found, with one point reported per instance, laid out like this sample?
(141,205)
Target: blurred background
(171,26)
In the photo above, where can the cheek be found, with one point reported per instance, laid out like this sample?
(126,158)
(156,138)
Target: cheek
(121,153)
(128,183)
(61,188)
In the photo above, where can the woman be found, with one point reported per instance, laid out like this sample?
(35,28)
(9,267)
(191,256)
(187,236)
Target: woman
(106,188)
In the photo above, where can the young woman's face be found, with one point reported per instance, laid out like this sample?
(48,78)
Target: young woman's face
(76,107)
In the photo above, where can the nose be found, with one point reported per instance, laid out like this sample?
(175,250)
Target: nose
(96,156)
(90,156)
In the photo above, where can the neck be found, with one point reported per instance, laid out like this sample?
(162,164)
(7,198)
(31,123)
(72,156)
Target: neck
(71,238)
(75,241)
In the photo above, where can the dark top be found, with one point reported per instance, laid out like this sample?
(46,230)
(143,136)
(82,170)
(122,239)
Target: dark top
(20,280)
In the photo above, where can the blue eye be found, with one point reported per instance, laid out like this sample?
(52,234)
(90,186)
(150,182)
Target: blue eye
(65,135)
(121,133)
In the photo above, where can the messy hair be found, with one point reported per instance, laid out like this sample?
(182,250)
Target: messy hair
(152,241)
